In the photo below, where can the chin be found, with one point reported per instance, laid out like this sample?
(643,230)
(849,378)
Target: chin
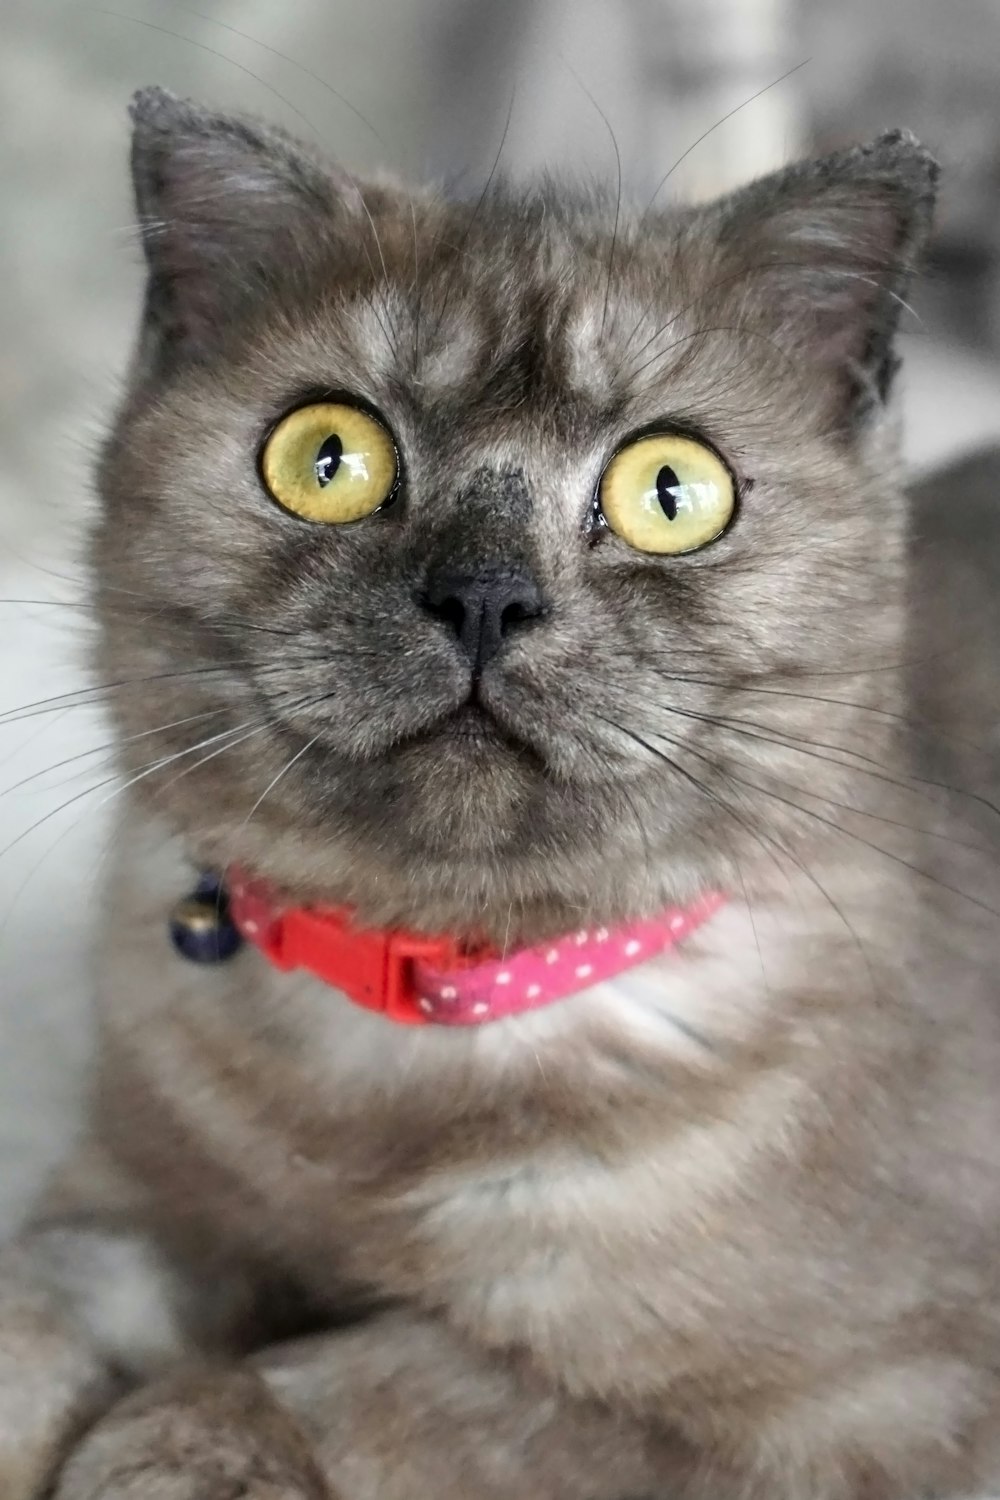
(463,791)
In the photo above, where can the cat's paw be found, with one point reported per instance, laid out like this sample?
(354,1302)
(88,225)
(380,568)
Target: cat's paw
(153,1482)
(51,1386)
(206,1436)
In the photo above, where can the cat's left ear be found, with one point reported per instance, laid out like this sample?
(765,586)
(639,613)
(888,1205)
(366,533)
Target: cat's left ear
(224,204)
(819,257)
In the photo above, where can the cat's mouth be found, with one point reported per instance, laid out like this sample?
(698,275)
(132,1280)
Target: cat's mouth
(475,725)
(470,722)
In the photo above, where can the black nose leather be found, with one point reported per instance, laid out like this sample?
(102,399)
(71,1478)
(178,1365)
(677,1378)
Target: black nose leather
(483,607)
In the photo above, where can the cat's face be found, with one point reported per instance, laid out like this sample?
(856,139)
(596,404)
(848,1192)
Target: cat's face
(482,699)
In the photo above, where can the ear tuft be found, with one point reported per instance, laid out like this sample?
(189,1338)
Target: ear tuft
(154,107)
(906,161)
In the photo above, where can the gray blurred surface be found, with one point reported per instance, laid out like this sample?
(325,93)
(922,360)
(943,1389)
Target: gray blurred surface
(435,80)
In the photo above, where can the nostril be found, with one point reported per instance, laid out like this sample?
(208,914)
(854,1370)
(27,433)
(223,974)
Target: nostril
(483,607)
(450,609)
(516,612)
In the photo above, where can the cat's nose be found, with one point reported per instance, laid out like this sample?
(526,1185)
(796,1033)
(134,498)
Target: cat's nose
(483,607)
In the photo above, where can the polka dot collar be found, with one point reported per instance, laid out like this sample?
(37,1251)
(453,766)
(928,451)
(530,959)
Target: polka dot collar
(420,981)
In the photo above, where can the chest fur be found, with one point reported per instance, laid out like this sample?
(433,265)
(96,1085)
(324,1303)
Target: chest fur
(586,1180)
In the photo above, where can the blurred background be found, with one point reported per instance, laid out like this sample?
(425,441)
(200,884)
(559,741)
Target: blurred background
(424,87)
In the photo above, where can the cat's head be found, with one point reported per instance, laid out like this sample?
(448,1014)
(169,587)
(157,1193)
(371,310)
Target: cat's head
(484,562)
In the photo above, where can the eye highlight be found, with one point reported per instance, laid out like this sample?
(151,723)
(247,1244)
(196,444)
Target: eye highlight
(330,463)
(667,494)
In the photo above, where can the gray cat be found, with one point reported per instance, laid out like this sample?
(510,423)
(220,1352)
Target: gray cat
(525,580)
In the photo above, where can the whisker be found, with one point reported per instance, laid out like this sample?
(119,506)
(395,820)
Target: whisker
(19,749)
(110,745)
(108,780)
(739,330)
(416,289)
(49,705)
(272,784)
(813,748)
(92,696)
(147,770)
(733,278)
(759,834)
(858,838)
(618,194)
(230,745)
(459,250)
(214,51)
(47,603)
(863,812)
(711,131)
(639,822)
(391,339)
(767,842)
(675,765)
(909,720)
(295,63)
(910,781)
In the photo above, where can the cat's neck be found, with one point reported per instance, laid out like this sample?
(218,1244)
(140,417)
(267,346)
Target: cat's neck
(811,947)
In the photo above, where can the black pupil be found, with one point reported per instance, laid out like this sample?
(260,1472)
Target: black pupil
(667,489)
(328,459)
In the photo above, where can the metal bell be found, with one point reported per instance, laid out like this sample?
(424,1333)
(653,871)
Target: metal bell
(201,928)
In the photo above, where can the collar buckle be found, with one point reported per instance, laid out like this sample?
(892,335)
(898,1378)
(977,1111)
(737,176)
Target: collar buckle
(374,969)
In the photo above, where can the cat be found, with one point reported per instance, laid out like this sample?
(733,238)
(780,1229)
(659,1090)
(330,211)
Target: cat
(514,573)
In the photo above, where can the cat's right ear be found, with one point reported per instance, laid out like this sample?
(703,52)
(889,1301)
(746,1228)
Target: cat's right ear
(222,205)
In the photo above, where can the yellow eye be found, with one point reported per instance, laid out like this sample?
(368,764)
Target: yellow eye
(667,494)
(330,463)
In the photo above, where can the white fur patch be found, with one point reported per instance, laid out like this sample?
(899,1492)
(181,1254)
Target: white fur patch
(590,367)
(121,1293)
(449,363)
(377,331)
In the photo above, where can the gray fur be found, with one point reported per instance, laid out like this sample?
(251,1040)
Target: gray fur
(721,1228)
(752,323)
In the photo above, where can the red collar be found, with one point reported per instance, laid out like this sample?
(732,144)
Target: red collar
(419,980)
